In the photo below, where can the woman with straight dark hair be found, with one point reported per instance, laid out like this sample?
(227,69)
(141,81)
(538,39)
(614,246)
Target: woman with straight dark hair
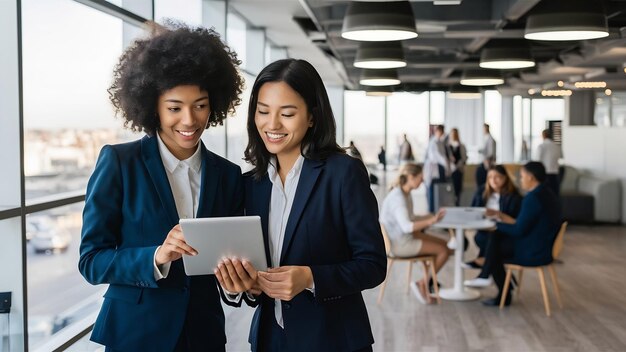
(498,194)
(320,221)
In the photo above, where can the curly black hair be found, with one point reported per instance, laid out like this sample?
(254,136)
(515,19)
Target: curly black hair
(174,55)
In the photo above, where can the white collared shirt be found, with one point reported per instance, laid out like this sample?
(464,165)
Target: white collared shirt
(493,202)
(280,207)
(184,179)
(549,155)
(489,148)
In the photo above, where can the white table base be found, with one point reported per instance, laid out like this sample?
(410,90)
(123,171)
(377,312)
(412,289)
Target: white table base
(459,292)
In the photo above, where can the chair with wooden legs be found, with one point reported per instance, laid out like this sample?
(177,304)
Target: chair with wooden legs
(426,260)
(556,251)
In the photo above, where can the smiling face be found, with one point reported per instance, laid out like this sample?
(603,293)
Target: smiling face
(184,113)
(282,119)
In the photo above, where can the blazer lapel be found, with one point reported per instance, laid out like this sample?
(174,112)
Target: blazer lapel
(156,170)
(209,181)
(263,199)
(311,170)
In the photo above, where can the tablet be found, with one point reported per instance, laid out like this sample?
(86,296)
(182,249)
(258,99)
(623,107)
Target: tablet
(216,238)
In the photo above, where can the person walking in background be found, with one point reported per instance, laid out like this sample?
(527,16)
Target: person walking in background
(436,165)
(406,230)
(172,85)
(353,151)
(323,241)
(549,154)
(382,157)
(458,158)
(406,151)
(488,152)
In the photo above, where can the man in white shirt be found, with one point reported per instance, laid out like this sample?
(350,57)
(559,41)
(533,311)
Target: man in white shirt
(488,152)
(436,165)
(549,154)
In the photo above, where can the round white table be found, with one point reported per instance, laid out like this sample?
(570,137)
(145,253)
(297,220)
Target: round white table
(459,292)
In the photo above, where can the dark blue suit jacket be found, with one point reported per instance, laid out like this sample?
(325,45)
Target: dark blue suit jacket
(129,210)
(332,228)
(535,228)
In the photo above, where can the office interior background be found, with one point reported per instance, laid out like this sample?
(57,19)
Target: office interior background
(56,64)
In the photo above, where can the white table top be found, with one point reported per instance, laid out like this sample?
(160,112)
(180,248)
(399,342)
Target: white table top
(472,225)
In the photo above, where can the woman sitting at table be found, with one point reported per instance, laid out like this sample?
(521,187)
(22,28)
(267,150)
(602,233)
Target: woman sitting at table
(498,194)
(528,239)
(406,230)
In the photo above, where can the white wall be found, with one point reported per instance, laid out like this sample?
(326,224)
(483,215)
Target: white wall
(597,149)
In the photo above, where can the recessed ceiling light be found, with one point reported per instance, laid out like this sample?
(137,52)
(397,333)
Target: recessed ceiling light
(506,58)
(608,92)
(566,26)
(379,21)
(387,77)
(380,55)
(560,83)
(556,92)
(590,84)
(481,78)
(464,92)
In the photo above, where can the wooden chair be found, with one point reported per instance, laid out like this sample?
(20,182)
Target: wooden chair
(426,260)
(556,251)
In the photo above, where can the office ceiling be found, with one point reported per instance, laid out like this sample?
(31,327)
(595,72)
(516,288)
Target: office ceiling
(451,39)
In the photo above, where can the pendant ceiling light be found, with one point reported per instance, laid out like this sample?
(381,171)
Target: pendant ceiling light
(379,91)
(481,78)
(464,92)
(387,77)
(566,26)
(379,21)
(380,55)
(506,58)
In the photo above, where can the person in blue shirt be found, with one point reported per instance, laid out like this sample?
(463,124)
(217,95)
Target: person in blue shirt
(533,231)
(319,215)
(172,85)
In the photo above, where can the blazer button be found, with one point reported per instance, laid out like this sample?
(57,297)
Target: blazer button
(287,305)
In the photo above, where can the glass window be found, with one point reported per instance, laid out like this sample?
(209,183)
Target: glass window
(142,8)
(618,102)
(236,126)
(407,113)
(364,124)
(236,36)
(437,108)
(11,279)
(57,294)
(544,110)
(190,13)
(602,112)
(493,117)
(67,113)
(518,130)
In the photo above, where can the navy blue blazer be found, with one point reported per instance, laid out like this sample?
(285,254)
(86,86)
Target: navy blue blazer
(129,210)
(332,228)
(510,204)
(535,227)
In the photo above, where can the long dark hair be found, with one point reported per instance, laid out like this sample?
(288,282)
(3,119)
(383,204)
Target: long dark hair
(507,188)
(320,140)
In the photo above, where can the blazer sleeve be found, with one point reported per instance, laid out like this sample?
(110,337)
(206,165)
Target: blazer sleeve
(101,261)
(368,263)
(530,212)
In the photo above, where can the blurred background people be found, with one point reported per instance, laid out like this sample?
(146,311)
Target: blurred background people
(436,165)
(488,152)
(498,194)
(458,158)
(406,151)
(549,154)
(406,230)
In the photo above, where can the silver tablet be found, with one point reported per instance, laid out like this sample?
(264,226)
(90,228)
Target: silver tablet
(216,238)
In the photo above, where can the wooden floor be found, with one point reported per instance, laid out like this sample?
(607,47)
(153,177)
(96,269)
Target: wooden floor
(593,284)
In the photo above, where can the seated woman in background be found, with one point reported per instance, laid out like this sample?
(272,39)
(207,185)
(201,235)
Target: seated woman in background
(406,230)
(526,240)
(498,194)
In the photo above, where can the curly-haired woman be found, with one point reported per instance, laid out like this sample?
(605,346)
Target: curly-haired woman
(172,86)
